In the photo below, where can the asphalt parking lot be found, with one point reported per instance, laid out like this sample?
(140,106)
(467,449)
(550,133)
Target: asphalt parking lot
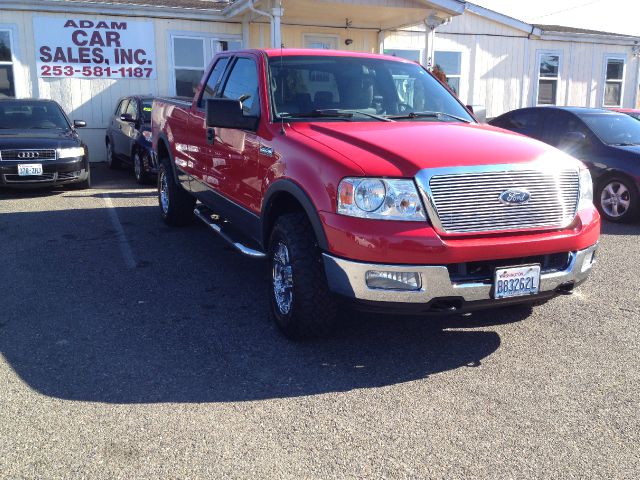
(132,350)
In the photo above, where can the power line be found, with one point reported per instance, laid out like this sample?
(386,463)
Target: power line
(567,9)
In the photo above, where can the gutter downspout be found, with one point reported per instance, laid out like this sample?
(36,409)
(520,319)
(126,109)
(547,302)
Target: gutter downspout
(636,95)
(271,20)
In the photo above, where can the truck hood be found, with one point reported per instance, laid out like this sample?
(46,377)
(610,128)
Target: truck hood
(403,148)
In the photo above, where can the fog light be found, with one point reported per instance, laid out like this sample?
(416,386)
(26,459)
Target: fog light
(393,280)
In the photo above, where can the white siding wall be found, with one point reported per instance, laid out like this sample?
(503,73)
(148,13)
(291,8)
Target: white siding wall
(500,70)
(94,100)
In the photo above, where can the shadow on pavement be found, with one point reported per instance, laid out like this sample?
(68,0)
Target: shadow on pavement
(190,322)
(609,228)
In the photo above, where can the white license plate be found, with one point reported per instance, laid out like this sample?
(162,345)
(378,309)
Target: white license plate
(29,169)
(516,281)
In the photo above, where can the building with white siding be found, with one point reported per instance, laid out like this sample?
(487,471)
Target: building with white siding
(498,63)
(86,54)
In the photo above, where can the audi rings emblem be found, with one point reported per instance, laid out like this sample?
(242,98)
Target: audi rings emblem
(27,155)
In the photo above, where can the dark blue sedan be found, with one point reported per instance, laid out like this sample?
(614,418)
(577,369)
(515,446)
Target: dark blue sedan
(128,139)
(607,142)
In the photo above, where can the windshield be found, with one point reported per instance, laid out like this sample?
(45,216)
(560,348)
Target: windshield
(21,115)
(146,110)
(613,128)
(369,89)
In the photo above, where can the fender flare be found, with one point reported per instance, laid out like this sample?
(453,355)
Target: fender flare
(292,188)
(162,138)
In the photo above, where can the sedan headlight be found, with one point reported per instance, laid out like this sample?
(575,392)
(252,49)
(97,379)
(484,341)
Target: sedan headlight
(71,152)
(380,198)
(586,189)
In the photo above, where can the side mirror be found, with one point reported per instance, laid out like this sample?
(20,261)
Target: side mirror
(79,123)
(126,117)
(228,113)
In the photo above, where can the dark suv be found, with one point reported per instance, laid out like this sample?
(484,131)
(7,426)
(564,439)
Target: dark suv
(607,142)
(39,146)
(129,137)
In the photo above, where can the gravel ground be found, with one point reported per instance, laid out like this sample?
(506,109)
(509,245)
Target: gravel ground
(131,350)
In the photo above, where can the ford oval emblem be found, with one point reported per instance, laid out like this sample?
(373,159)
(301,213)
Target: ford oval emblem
(515,196)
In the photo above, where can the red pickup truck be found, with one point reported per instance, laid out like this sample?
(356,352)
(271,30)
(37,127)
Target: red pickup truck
(361,177)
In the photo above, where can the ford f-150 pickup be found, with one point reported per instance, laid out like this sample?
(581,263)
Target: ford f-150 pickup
(361,177)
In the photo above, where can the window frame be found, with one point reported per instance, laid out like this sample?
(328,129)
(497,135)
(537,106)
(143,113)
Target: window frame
(607,57)
(10,29)
(558,78)
(224,81)
(307,36)
(458,76)
(221,81)
(209,51)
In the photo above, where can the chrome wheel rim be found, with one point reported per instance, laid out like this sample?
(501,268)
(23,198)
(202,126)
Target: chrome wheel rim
(164,193)
(282,274)
(615,199)
(137,166)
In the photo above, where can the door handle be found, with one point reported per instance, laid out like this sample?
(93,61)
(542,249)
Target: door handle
(211,135)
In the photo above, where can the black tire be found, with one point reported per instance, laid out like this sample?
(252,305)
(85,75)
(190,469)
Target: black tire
(617,199)
(312,308)
(112,161)
(142,177)
(178,209)
(85,184)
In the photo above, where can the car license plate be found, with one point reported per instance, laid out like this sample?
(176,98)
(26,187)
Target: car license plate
(29,170)
(516,281)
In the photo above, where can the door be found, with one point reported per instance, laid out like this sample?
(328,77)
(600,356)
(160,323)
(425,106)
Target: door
(117,126)
(567,132)
(234,165)
(200,137)
(129,129)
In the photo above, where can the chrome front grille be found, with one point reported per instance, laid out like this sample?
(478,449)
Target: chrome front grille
(467,199)
(29,155)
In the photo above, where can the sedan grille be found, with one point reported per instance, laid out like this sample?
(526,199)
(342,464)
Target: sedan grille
(477,200)
(28,155)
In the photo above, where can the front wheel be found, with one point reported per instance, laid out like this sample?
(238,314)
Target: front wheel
(617,199)
(176,205)
(112,161)
(138,169)
(301,303)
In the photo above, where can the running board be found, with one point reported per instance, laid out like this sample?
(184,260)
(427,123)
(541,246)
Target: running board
(204,214)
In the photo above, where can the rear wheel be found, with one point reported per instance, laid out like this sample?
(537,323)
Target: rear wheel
(176,205)
(301,303)
(617,199)
(112,161)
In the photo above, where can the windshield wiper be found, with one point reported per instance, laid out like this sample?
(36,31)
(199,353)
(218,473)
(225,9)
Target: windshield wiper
(437,115)
(366,114)
(327,113)
(626,144)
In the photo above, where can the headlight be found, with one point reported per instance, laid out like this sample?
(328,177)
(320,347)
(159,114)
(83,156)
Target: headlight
(380,198)
(71,152)
(586,189)
(148,136)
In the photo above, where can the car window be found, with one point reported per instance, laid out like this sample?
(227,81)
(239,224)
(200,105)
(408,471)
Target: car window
(32,115)
(122,107)
(559,124)
(613,128)
(526,122)
(209,90)
(243,83)
(147,106)
(132,109)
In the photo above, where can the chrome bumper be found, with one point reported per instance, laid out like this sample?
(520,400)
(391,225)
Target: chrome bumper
(347,278)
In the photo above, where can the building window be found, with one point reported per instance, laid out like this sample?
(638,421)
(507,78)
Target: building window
(613,84)
(7,84)
(188,64)
(322,42)
(451,64)
(218,46)
(548,78)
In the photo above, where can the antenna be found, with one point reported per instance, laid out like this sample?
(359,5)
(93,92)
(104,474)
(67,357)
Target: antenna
(282,131)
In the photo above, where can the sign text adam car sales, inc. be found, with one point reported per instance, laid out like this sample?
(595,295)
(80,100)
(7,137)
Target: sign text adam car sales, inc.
(94,48)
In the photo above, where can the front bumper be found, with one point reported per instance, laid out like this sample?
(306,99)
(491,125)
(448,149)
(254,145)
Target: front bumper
(347,278)
(54,172)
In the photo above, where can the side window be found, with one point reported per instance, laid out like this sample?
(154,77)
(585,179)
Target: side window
(132,109)
(559,125)
(209,90)
(526,122)
(243,84)
(122,107)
